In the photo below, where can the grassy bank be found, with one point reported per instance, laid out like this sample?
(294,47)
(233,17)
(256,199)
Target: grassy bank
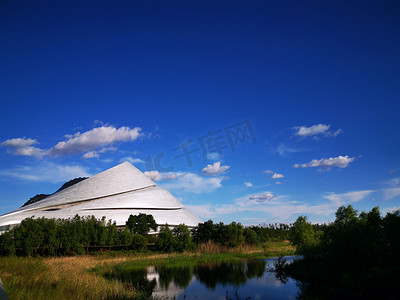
(80,277)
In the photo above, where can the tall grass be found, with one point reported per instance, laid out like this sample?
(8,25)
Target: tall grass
(212,248)
(60,278)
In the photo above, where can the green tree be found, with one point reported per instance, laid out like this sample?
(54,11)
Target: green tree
(7,244)
(166,240)
(204,232)
(102,233)
(183,238)
(112,233)
(50,243)
(345,215)
(139,242)
(234,234)
(29,236)
(250,236)
(303,235)
(141,224)
(126,238)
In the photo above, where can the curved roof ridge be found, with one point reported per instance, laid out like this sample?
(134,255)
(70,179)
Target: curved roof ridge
(117,180)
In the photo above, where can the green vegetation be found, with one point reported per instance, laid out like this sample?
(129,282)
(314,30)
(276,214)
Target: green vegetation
(234,234)
(141,224)
(58,237)
(358,254)
(79,235)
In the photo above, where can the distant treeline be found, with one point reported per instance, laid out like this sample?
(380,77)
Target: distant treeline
(50,237)
(357,254)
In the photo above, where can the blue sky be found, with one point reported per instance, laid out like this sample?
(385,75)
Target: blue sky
(285,108)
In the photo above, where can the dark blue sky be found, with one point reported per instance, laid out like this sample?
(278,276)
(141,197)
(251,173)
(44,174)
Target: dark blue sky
(179,70)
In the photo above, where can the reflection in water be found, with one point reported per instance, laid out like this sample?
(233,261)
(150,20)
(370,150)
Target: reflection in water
(139,280)
(229,273)
(178,276)
(245,280)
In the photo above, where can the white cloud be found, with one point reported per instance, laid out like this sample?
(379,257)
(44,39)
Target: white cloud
(390,193)
(394,182)
(274,174)
(132,160)
(88,142)
(203,211)
(95,138)
(19,142)
(248,184)
(23,147)
(157,176)
(277,175)
(154,175)
(393,189)
(215,169)
(91,154)
(277,208)
(328,163)
(278,182)
(46,172)
(315,130)
(192,183)
(345,198)
(170,176)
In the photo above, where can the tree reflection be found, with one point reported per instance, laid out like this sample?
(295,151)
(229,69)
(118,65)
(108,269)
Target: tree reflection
(179,276)
(229,273)
(166,277)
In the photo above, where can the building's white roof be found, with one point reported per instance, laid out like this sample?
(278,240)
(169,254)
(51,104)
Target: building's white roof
(115,193)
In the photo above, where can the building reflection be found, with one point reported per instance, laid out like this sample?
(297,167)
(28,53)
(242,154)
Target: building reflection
(171,282)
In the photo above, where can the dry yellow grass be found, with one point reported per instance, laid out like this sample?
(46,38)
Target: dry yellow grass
(212,248)
(60,278)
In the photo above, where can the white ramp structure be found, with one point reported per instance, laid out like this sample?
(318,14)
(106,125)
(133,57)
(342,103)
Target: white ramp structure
(115,193)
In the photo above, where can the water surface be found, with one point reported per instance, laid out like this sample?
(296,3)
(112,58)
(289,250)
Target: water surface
(252,279)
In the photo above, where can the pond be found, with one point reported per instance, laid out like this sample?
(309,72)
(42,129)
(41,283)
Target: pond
(252,279)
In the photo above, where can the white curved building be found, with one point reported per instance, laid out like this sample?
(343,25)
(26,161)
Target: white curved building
(115,193)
